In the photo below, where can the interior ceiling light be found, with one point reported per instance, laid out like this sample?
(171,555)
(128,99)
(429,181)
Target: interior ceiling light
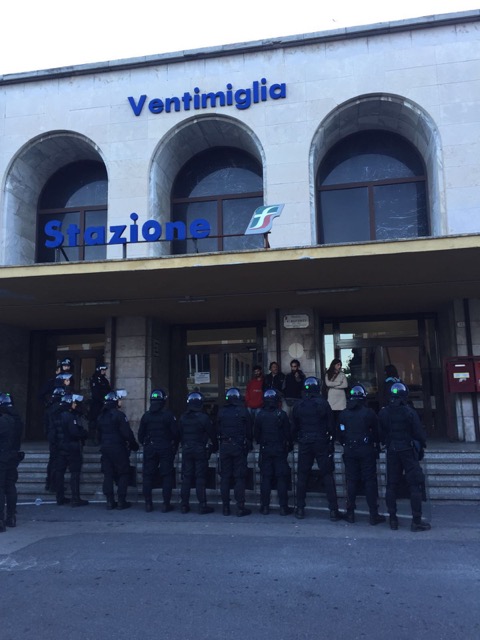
(308,292)
(190,300)
(93,303)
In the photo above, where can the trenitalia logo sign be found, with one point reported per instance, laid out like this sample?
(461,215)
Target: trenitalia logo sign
(259,91)
(262,219)
(149,231)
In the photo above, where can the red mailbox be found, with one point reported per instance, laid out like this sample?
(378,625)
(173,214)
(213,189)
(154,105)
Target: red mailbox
(476,368)
(463,375)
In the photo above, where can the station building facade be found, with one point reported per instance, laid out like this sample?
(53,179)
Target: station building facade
(127,188)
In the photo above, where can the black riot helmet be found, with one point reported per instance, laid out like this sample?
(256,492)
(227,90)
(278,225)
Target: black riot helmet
(66,362)
(398,390)
(311,386)
(58,392)
(358,392)
(233,395)
(115,396)
(195,396)
(270,397)
(70,398)
(158,395)
(5,400)
(101,367)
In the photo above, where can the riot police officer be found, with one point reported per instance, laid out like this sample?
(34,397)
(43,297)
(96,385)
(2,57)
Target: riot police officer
(116,442)
(99,387)
(404,437)
(50,408)
(67,437)
(273,434)
(234,431)
(158,433)
(314,430)
(199,440)
(10,439)
(359,435)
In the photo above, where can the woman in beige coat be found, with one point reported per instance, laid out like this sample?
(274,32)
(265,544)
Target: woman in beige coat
(336,383)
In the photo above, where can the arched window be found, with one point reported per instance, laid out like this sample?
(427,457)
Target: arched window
(76,198)
(371,186)
(223,186)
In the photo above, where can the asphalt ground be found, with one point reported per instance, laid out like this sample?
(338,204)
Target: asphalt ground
(81,573)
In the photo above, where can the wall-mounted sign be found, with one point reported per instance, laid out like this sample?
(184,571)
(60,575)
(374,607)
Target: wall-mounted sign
(260,91)
(263,217)
(296,321)
(150,231)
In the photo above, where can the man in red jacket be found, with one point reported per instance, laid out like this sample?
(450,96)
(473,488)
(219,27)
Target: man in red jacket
(254,392)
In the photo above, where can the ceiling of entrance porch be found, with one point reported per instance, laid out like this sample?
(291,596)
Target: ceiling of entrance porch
(410,276)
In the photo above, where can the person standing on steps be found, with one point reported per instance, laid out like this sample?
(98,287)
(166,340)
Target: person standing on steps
(235,435)
(116,443)
(158,433)
(273,434)
(11,429)
(313,429)
(358,434)
(404,437)
(199,441)
(67,436)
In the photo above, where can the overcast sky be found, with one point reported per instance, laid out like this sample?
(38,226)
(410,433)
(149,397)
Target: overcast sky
(43,34)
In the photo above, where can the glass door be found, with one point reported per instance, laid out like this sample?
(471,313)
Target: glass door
(218,359)
(367,347)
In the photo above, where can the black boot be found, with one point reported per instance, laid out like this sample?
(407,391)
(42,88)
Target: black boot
(226,509)
(123,504)
(11,520)
(75,484)
(264,509)
(166,507)
(419,525)
(203,509)
(242,510)
(300,513)
(393,521)
(111,504)
(185,508)
(376,518)
(3,528)
(286,511)
(335,515)
(349,516)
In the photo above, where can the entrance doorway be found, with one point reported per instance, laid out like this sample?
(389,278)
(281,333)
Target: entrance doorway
(220,358)
(85,350)
(367,347)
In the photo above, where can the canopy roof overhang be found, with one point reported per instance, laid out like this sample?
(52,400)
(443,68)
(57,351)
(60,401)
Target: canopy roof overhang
(378,278)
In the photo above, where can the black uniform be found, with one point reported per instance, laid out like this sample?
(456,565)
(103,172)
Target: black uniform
(48,425)
(359,435)
(404,436)
(158,433)
(273,434)
(10,439)
(199,440)
(67,437)
(314,430)
(99,387)
(276,382)
(235,435)
(116,442)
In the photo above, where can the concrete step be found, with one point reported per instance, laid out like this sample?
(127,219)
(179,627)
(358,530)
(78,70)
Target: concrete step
(450,475)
